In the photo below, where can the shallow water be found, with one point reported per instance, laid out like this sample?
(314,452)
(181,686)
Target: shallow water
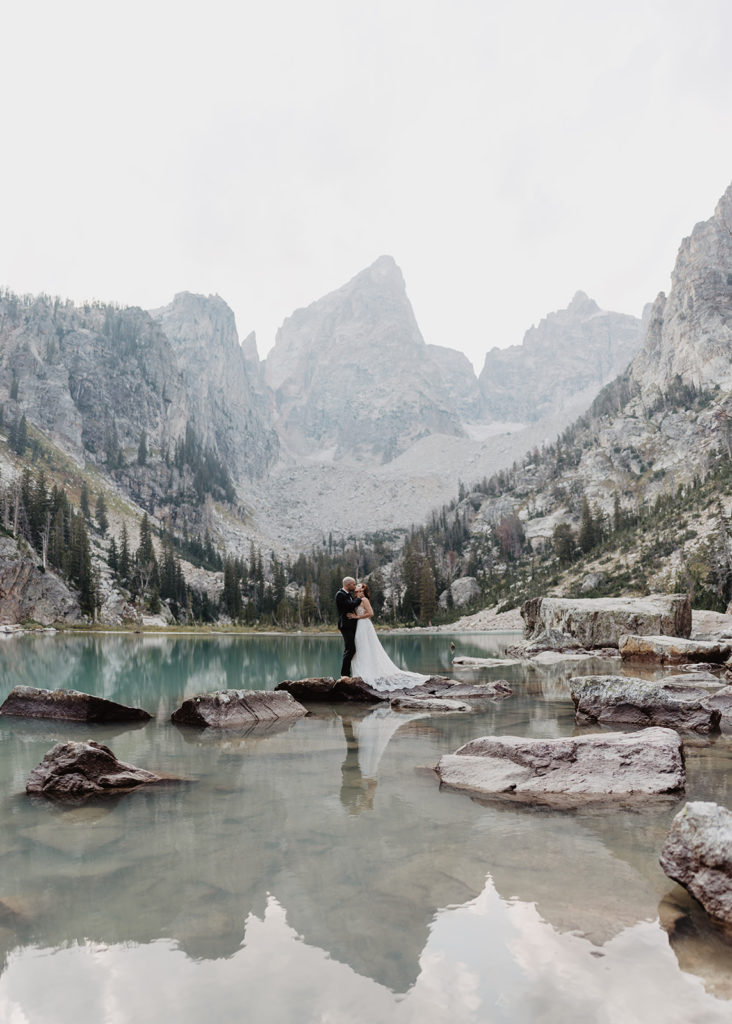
(316,874)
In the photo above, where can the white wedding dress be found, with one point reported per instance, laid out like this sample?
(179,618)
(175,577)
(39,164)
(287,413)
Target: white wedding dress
(373,664)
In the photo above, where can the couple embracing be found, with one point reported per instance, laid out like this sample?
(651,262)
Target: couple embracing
(363,654)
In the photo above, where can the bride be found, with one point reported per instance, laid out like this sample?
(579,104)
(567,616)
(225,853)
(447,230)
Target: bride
(371,662)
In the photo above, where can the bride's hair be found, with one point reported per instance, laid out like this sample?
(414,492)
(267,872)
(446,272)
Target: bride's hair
(365,590)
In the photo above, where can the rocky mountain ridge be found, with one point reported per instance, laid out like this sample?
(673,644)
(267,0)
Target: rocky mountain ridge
(654,450)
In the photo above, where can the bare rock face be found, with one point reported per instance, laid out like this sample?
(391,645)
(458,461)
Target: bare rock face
(673,650)
(352,373)
(697,854)
(225,396)
(81,769)
(68,706)
(615,700)
(607,765)
(690,335)
(237,709)
(578,348)
(26,592)
(600,622)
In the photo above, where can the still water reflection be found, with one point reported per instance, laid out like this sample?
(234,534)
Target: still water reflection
(314,874)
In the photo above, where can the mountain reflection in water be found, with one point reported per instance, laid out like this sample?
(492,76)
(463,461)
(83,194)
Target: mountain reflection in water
(313,873)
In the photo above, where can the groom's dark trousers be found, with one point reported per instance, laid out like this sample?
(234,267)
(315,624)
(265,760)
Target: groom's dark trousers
(345,603)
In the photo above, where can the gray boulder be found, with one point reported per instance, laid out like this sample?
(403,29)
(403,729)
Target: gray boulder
(606,765)
(616,700)
(68,706)
(668,650)
(463,591)
(82,769)
(697,853)
(600,622)
(237,709)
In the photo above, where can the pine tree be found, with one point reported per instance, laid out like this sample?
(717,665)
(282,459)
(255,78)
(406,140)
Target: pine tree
(142,450)
(84,502)
(101,514)
(125,562)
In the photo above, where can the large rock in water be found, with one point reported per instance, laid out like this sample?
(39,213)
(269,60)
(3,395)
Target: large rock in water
(672,650)
(80,769)
(698,854)
(600,622)
(607,765)
(237,709)
(68,706)
(622,700)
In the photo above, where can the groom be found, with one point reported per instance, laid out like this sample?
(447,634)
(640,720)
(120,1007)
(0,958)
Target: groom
(346,604)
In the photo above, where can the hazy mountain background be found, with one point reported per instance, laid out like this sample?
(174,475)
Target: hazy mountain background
(354,424)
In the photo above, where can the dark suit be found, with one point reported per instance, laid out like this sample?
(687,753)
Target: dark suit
(346,603)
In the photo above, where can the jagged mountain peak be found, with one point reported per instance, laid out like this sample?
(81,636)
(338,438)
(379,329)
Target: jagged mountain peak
(360,347)
(572,352)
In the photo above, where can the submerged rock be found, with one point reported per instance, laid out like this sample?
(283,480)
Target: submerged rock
(408,703)
(68,706)
(81,769)
(614,700)
(600,622)
(697,854)
(237,709)
(606,765)
(673,650)
(353,688)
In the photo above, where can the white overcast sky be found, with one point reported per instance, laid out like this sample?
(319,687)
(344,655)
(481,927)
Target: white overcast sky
(506,154)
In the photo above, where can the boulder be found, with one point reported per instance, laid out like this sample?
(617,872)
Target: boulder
(615,700)
(82,769)
(600,622)
(326,688)
(463,591)
(721,701)
(697,853)
(605,765)
(68,706)
(237,709)
(666,650)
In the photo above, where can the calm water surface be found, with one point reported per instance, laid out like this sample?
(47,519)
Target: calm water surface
(316,874)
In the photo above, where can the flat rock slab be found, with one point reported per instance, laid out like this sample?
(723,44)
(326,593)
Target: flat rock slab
(237,709)
(353,688)
(600,622)
(465,661)
(68,706)
(439,704)
(615,700)
(697,853)
(605,765)
(82,769)
(667,650)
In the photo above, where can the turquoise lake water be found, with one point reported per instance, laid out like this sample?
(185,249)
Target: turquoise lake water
(318,873)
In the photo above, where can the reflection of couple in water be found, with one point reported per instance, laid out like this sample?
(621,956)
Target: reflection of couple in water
(363,654)
(367,737)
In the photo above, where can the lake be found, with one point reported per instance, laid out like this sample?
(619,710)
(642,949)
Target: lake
(318,873)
